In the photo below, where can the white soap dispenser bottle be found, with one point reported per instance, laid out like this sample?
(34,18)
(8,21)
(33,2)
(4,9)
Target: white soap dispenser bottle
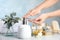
(24,30)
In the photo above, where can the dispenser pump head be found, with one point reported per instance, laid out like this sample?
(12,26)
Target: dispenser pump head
(24,21)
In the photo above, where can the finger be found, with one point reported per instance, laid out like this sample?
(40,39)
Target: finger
(37,19)
(37,22)
(40,21)
(31,20)
(27,15)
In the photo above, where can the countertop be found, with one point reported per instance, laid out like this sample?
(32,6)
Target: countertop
(49,37)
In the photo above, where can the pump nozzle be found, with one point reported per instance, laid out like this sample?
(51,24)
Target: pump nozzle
(24,21)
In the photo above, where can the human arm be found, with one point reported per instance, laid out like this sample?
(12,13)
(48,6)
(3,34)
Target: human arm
(44,5)
(45,16)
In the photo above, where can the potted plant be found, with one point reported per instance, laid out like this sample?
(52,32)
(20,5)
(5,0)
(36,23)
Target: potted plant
(10,20)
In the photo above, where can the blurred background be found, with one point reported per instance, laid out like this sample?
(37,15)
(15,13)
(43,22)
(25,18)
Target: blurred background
(21,7)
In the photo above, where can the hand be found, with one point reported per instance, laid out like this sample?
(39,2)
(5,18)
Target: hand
(32,12)
(40,19)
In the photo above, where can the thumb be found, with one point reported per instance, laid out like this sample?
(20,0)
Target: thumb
(38,19)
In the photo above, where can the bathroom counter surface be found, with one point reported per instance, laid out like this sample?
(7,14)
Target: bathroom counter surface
(51,37)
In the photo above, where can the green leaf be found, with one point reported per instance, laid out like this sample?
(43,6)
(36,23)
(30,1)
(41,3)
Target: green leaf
(11,18)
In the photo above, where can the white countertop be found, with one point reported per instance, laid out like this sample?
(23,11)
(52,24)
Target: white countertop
(51,37)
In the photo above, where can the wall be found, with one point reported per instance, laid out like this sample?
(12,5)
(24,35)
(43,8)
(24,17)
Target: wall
(21,7)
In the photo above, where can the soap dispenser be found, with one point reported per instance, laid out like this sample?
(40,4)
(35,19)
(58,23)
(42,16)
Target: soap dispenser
(24,30)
